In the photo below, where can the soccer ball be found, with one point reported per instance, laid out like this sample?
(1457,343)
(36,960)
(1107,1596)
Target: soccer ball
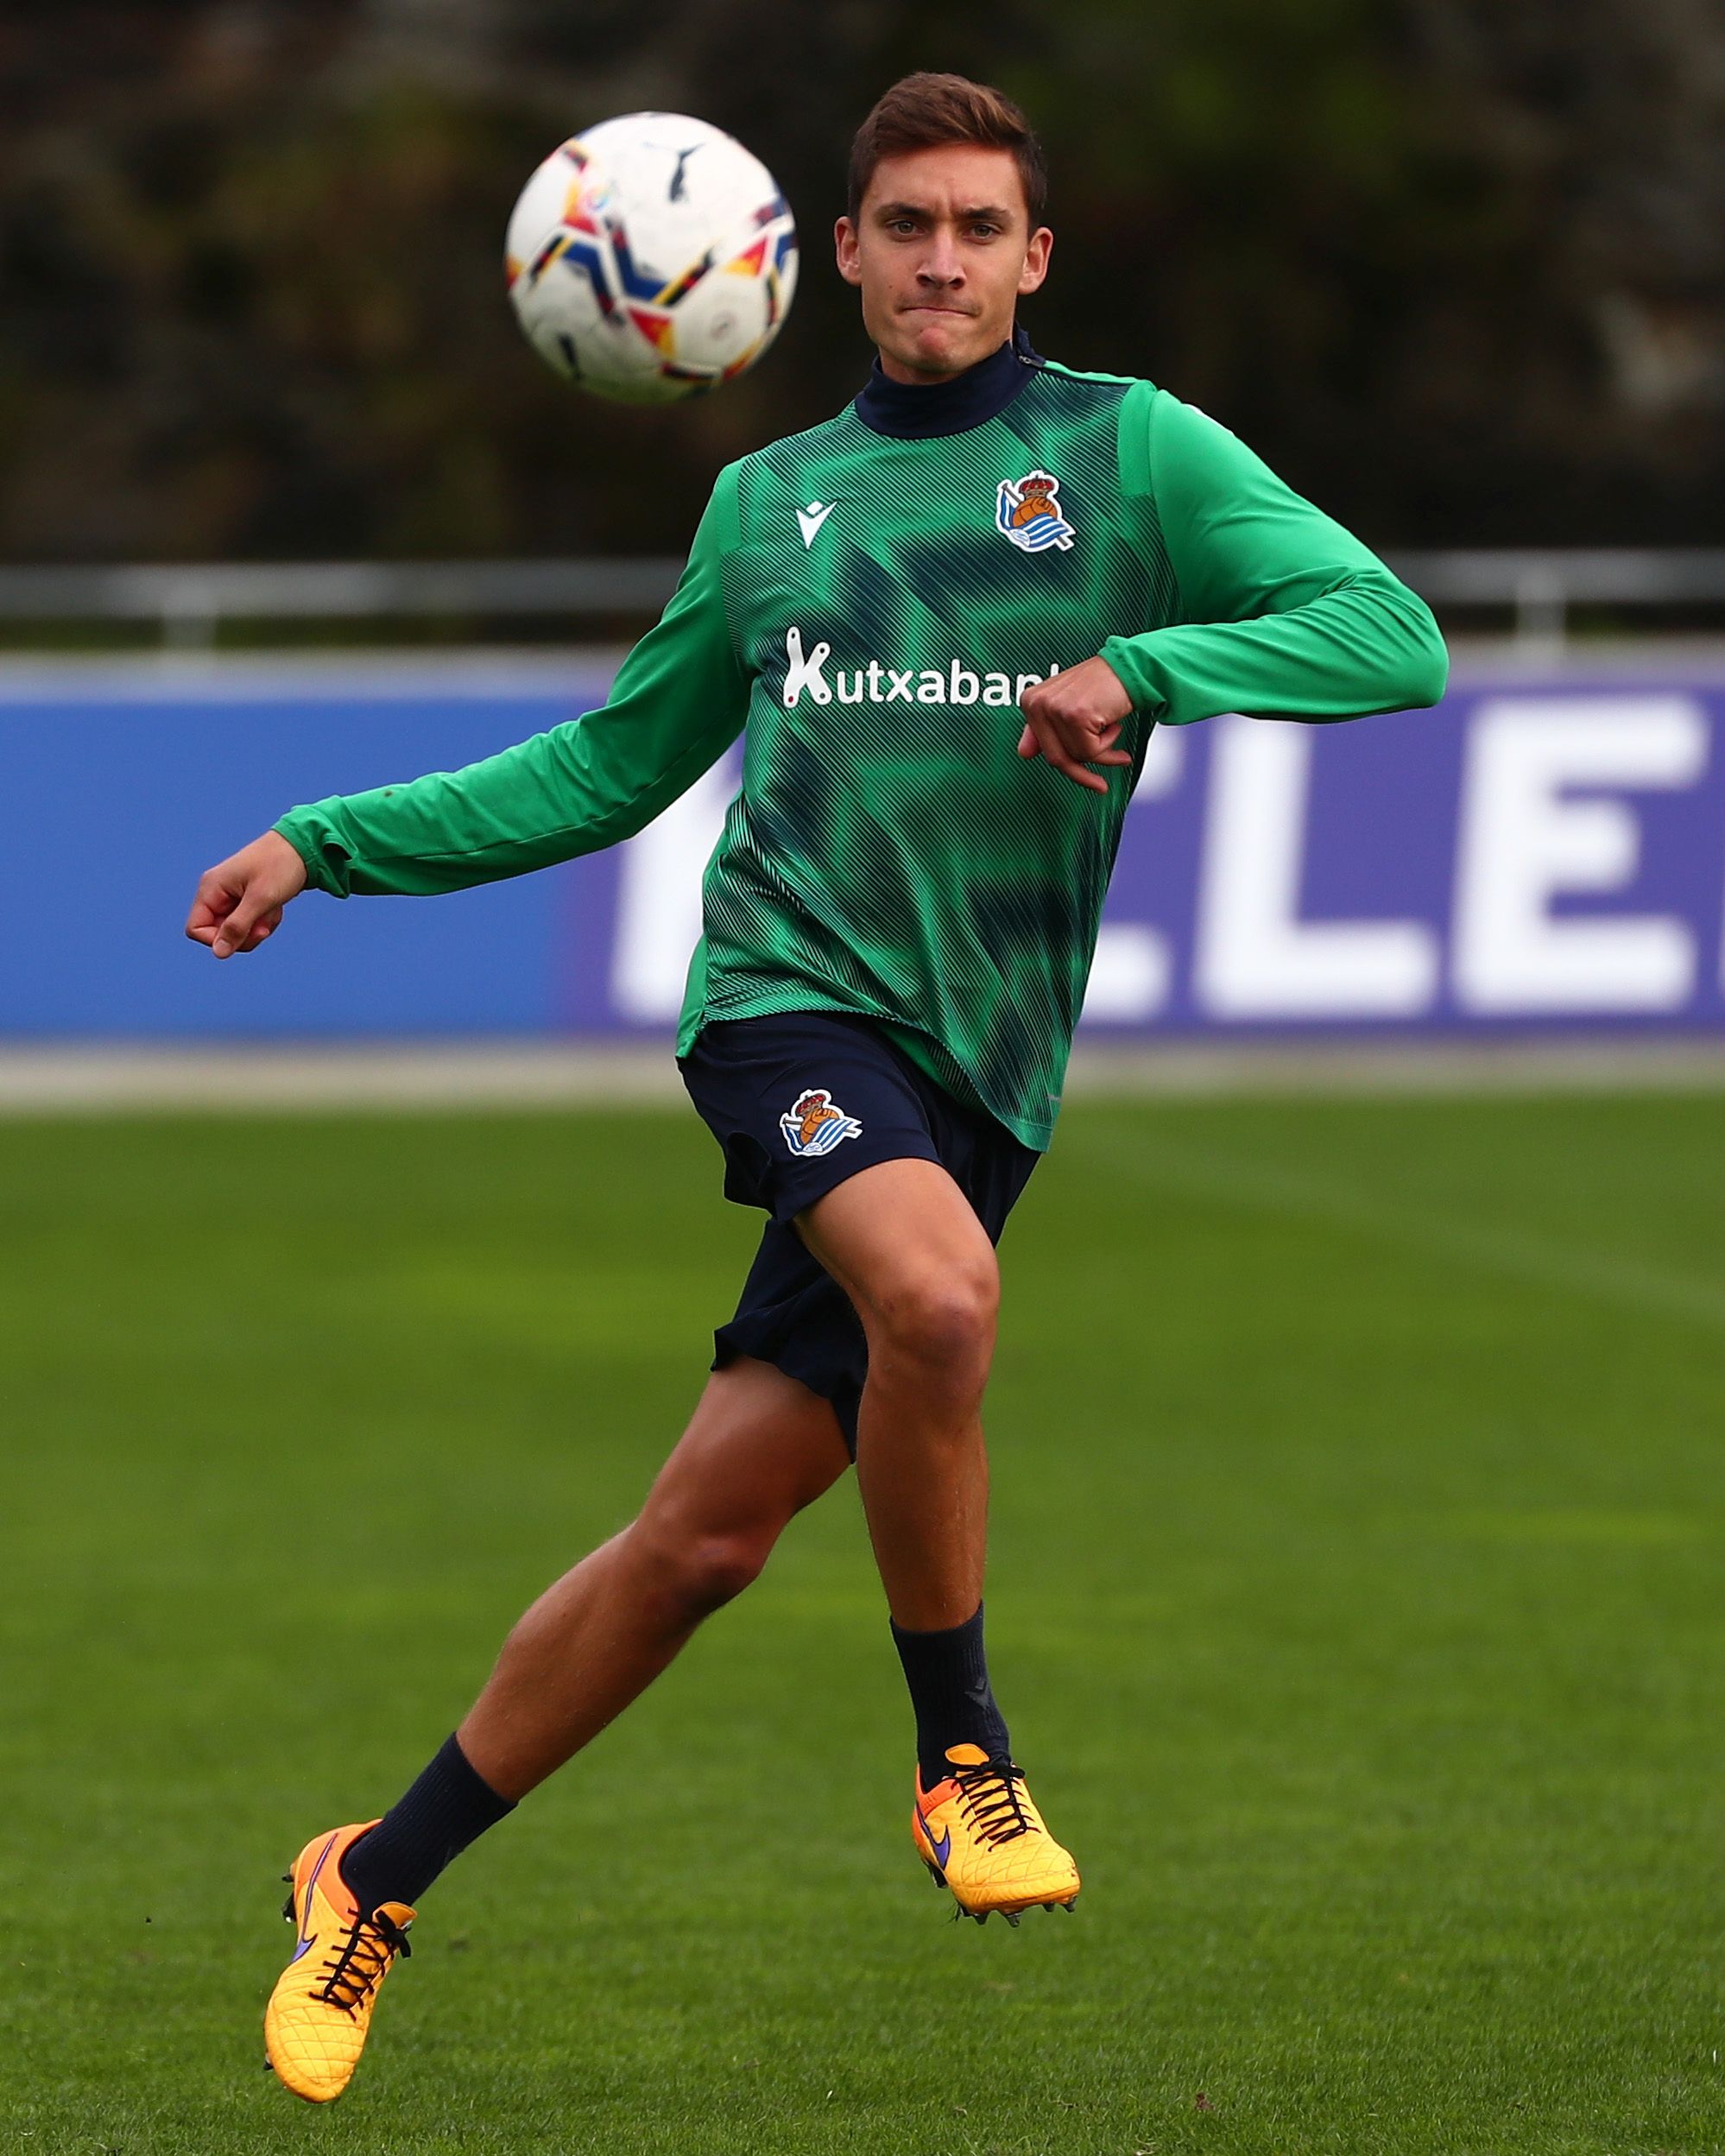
(651,258)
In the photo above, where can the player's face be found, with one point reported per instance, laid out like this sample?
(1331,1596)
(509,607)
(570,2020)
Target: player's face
(941,250)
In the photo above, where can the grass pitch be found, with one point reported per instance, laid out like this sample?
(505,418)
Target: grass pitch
(1356,1599)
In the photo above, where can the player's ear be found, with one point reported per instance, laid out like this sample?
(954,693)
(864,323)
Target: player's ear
(845,249)
(1036,259)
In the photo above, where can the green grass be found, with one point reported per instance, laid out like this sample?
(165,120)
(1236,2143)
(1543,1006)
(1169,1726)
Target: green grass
(1356,1599)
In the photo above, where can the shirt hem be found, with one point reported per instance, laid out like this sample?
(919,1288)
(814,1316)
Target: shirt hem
(1038,1136)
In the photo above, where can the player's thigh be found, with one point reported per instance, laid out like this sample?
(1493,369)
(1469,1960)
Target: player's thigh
(902,1238)
(758,1448)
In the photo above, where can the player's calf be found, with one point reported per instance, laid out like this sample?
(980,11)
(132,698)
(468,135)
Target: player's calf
(759,1447)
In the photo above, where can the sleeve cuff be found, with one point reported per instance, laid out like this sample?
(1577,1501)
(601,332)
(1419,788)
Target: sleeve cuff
(1124,654)
(327,863)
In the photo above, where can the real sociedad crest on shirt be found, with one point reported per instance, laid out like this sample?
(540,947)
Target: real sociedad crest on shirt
(1027,511)
(816,1124)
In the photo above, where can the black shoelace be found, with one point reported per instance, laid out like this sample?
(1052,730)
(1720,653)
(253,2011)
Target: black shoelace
(989,1795)
(352,1970)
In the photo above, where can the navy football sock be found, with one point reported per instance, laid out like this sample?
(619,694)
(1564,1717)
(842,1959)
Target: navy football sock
(948,1675)
(450,1806)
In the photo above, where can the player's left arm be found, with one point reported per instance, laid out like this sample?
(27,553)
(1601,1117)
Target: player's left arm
(1284,614)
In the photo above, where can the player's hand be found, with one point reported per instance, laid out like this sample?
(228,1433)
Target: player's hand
(1074,720)
(239,902)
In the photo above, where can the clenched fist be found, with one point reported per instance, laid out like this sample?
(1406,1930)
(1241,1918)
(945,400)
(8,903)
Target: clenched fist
(1074,720)
(239,902)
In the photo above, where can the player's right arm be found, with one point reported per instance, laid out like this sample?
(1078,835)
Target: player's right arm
(678,703)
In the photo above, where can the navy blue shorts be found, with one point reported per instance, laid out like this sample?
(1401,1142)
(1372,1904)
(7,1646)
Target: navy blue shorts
(798,1102)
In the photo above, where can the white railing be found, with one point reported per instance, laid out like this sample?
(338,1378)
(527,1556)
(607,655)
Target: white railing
(1539,586)
(187,603)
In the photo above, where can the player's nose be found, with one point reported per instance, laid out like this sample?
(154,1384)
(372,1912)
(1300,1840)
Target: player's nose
(942,264)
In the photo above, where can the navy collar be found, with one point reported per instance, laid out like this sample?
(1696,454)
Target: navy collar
(917,411)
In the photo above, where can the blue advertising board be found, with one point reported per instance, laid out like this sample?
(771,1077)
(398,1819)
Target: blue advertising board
(1543,851)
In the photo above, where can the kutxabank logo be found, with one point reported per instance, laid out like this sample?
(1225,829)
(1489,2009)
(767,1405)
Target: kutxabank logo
(872,681)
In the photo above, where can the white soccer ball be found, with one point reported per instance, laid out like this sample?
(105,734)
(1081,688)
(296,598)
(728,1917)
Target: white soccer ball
(651,258)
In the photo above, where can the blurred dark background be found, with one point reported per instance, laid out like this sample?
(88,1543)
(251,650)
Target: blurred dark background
(1456,267)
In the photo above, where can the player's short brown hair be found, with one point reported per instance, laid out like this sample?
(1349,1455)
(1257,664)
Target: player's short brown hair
(926,111)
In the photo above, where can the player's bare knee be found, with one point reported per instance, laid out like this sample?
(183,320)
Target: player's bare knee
(696,1572)
(944,1322)
(719,1566)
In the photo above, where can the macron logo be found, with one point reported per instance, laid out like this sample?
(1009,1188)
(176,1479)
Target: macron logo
(809,521)
(872,683)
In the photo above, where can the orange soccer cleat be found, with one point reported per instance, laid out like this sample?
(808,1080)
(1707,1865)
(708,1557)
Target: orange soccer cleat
(315,2026)
(980,1834)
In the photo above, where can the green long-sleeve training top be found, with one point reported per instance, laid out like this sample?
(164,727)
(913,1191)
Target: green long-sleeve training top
(866,607)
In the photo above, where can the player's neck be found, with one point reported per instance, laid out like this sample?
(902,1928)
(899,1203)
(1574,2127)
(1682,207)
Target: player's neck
(916,411)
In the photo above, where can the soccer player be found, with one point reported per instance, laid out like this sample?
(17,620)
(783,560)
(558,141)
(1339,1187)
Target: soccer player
(945,623)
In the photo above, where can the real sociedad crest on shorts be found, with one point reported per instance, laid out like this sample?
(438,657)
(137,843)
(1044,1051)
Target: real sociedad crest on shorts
(816,1124)
(1027,511)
